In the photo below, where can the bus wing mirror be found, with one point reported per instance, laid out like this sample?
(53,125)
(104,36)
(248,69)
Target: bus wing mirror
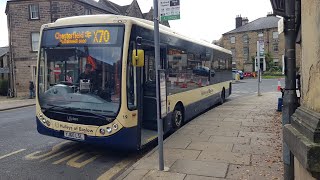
(138,57)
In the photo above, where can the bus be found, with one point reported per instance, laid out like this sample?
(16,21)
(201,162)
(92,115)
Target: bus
(96,80)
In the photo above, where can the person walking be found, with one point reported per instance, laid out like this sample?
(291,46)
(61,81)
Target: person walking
(31,89)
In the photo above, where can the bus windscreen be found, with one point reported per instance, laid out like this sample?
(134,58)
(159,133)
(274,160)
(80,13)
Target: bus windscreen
(80,70)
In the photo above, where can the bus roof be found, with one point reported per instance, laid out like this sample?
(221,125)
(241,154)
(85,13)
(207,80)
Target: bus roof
(110,18)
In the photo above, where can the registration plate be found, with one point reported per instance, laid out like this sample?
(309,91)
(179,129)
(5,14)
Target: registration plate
(73,135)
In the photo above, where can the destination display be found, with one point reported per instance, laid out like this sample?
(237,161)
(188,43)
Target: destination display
(81,36)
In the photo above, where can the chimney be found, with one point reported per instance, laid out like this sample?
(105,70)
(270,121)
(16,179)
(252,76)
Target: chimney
(238,21)
(245,21)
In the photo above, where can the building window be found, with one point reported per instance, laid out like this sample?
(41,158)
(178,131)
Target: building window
(245,39)
(233,39)
(34,11)
(246,53)
(87,12)
(276,62)
(275,47)
(35,41)
(260,36)
(233,51)
(275,35)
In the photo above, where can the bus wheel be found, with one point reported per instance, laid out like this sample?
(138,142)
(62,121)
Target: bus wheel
(177,118)
(223,96)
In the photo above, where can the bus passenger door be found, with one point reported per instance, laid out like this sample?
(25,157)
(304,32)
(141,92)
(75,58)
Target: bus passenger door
(149,101)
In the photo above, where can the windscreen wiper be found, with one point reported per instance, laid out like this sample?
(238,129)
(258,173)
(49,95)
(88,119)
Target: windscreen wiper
(78,110)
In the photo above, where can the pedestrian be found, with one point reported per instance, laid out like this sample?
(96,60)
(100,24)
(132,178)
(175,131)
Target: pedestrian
(31,89)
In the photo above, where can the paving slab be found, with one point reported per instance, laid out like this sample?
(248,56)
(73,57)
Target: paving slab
(201,168)
(248,149)
(196,177)
(253,172)
(136,174)
(161,175)
(220,132)
(210,146)
(224,157)
(257,135)
(229,140)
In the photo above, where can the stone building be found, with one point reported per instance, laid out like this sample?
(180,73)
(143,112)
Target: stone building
(25,18)
(242,41)
(303,134)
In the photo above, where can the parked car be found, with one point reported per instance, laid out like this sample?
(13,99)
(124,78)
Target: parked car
(203,71)
(235,71)
(247,74)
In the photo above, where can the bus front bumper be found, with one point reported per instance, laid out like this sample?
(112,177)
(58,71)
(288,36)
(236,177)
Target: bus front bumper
(126,139)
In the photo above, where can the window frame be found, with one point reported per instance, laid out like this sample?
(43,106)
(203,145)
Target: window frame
(37,12)
(232,37)
(245,39)
(275,45)
(274,33)
(31,41)
(87,11)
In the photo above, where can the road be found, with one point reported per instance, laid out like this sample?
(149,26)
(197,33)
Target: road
(25,154)
(247,87)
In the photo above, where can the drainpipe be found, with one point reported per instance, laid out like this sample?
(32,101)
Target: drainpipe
(290,97)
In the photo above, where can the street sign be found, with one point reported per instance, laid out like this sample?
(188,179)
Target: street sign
(4,70)
(169,10)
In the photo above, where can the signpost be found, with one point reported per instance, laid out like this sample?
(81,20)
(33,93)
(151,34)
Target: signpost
(260,51)
(169,10)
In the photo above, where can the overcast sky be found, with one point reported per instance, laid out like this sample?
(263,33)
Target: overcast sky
(201,19)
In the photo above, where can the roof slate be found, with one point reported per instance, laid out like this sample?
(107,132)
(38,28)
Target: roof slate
(99,5)
(258,24)
(4,50)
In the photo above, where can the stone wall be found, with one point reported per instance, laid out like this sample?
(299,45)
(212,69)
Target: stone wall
(20,28)
(311,54)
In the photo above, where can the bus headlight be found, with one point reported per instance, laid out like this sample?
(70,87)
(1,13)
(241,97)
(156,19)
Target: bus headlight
(102,131)
(115,126)
(48,123)
(109,130)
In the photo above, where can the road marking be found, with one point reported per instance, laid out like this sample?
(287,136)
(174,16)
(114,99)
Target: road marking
(15,152)
(57,154)
(67,157)
(72,162)
(54,149)
(115,169)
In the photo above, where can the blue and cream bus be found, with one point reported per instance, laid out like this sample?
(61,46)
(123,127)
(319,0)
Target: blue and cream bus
(96,80)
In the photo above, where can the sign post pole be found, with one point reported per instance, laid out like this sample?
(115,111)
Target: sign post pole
(157,63)
(259,67)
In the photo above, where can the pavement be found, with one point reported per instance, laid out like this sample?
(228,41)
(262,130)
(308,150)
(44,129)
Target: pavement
(240,139)
(13,103)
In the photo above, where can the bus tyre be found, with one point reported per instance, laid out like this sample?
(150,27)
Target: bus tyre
(222,96)
(177,119)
